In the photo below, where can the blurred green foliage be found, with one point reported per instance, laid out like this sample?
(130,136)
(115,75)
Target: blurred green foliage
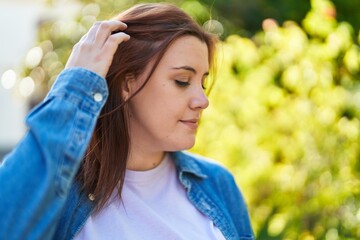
(284,113)
(245,17)
(284,117)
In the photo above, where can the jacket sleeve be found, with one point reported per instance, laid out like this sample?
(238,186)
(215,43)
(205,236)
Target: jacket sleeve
(36,176)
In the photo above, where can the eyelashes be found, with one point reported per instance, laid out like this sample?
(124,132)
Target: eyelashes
(185,84)
(182,83)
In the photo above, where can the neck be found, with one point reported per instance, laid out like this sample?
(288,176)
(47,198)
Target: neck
(142,161)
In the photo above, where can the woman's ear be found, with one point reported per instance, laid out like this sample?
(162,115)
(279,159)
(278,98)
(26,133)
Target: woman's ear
(128,86)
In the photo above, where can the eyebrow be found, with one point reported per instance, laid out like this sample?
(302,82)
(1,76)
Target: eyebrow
(188,68)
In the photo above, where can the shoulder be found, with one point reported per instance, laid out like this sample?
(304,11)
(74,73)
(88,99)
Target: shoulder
(210,178)
(210,175)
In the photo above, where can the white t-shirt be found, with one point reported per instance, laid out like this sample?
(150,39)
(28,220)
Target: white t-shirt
(154,206)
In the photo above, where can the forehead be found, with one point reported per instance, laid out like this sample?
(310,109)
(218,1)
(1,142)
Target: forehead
(187,51)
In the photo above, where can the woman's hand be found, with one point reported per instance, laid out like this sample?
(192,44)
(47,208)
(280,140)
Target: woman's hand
(96,48)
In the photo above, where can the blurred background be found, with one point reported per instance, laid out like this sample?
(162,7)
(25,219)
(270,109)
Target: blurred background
(285,110)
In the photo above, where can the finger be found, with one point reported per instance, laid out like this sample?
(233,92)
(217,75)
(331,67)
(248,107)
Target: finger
(106,28)
(113,42)
(82,39)
(90,35)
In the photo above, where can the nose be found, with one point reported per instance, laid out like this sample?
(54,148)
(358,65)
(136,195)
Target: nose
(199,100)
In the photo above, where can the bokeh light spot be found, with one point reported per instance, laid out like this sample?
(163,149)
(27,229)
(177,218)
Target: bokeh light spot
(214,27)
(34,57)
(8,79)
(26,86)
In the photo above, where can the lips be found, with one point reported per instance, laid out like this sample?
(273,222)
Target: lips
(191,123)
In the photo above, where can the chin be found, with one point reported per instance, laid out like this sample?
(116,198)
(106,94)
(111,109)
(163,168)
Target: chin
(182,146)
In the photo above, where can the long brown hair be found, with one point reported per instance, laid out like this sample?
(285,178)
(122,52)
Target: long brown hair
(152,29)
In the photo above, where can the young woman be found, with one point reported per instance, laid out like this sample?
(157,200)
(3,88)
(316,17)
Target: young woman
(135,182)
(138,184)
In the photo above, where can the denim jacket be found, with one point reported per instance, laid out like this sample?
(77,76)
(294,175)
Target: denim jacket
(35,178)
(43,201)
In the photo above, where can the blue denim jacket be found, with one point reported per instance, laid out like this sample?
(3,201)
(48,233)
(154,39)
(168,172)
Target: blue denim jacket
(35,178)
(43,201)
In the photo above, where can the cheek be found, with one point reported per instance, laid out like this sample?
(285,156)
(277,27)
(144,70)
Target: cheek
(160,104)
(154,111)
(165,101)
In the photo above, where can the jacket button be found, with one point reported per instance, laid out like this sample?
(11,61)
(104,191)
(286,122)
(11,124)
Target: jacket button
(91,197)
(98,97)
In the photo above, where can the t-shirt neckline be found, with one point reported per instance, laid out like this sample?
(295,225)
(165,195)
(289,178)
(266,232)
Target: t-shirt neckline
(145,176)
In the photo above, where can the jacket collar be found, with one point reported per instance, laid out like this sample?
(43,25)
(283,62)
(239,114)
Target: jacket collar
(187,163)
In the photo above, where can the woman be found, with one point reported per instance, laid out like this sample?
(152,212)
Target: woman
(134,181)
(138,185)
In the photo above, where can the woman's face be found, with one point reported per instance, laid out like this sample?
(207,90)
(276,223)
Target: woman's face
(164,115)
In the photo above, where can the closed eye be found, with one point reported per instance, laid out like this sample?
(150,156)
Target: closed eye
(182,83)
